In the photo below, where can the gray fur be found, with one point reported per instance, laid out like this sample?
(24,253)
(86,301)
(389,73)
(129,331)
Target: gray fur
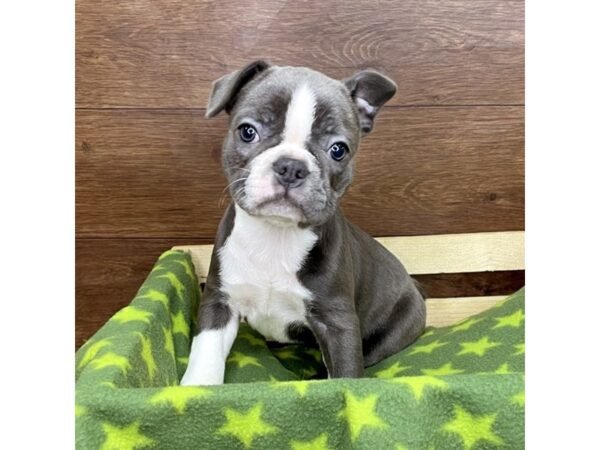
(365,306)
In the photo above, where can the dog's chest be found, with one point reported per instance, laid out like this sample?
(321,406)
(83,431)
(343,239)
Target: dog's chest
(259,262)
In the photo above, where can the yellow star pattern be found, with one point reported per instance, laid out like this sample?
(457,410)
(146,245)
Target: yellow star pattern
(156,296)
(285,354)
(520,349)
(446,369)
(243,360)
(175,282)
(427,334)
(465,325)
(187,268)
(169,253)
(300,386)
(253,340)
(246,426)
(478,348)
(158,267)
(418,384)
(318,443)
(93,350)
(80,410)
(169,346)
(127,438)
(471,428)
(111,359)
(180,325)
(428,348)
(132,314)
(360,413)
(315,353)
(519,399)
(503,369)
(391,371)
(147,356)
(178,396)
(513,320)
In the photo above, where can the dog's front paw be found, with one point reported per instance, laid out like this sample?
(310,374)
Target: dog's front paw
(201,377)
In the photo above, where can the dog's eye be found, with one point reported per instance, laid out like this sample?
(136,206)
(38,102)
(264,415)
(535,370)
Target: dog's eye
(248,133)
(338,151)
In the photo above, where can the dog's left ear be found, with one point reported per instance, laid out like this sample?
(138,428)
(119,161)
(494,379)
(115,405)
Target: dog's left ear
(370,90)
(226,88)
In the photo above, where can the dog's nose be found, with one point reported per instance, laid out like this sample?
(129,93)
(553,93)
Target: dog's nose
(290,173)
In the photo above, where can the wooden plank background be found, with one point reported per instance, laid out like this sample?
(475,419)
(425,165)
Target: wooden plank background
(446,155)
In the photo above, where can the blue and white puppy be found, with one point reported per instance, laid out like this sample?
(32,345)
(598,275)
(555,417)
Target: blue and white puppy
(285,258)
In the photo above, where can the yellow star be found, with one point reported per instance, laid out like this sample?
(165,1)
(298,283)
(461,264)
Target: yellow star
(520,349)
(180,325)
(309,371)
(246,426)
(127,438)
(478,348)
(427,348)
(285,354)
(80,410)
(318,443)
(300,386)
(446,369)
(503,369)
(156,296)
(169,346)
(472,429)
(188,269)
(243,360)
(465,325)
(111,359)
(315,353)
(92,350)
(183,360)
(158,267)
(427,334)
(418,384)
(253,340)
(178,396)
(169,253)
(513,320)
(147,356)
(132,314)
(519,399)
(360,414)
(391,371)
(178,285)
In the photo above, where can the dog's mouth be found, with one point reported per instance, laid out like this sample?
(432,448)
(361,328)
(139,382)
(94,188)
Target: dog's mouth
(280,206)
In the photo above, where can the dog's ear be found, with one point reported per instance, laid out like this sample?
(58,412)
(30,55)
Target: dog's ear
(369,90)
(226,88)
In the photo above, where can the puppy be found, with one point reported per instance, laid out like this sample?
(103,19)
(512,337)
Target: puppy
(285,259)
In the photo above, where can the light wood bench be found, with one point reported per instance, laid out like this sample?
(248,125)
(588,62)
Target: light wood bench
(444,253)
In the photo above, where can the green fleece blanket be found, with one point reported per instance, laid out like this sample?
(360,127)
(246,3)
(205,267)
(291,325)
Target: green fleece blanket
(456,387)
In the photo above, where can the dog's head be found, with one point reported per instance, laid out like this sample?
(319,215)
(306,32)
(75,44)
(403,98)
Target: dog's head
(293,134)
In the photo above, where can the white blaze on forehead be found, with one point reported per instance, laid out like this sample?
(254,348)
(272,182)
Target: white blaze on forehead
(300,116)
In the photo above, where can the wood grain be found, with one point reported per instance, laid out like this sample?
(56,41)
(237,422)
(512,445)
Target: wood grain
(422,171)
(166,53)
(448,311)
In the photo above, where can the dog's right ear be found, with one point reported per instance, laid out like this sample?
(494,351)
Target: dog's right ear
(226,88)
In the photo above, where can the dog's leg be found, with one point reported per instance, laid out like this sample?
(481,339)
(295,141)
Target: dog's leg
(339,338)
(218,329)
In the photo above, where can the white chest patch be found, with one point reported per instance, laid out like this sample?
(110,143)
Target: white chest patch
(259,262)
